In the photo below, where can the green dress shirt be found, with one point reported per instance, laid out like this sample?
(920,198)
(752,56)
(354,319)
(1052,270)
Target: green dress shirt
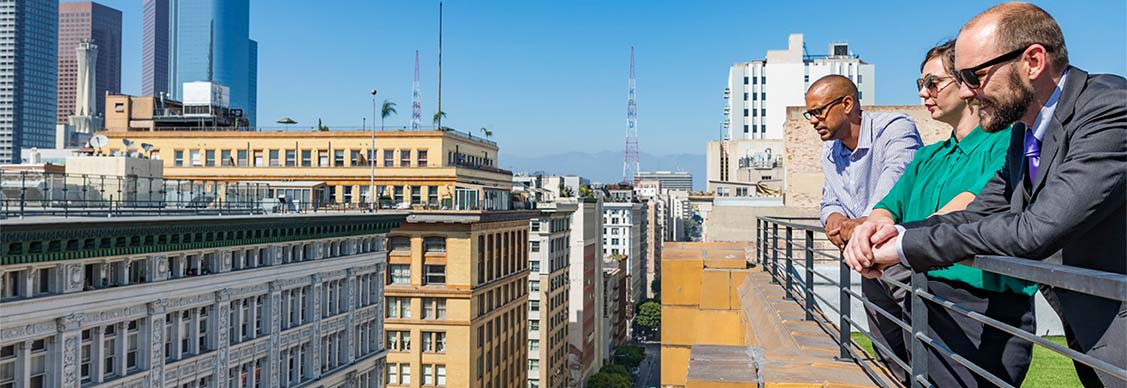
(942,171)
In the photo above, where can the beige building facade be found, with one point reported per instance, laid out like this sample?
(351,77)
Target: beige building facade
(457,300)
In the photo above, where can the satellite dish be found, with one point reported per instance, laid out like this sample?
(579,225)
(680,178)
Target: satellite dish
(128,143)
(99,141)
(147,147)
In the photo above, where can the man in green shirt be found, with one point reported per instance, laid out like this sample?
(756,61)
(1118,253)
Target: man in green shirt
(945,177)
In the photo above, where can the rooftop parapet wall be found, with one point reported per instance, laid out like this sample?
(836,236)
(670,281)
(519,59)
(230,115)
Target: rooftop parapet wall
(725,325)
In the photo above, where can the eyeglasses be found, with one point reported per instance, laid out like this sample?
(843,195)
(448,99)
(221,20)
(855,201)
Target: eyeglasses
(818,112)
(970,77)
(931,82)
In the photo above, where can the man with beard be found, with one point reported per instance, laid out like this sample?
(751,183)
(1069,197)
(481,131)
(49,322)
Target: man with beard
(1062,191)
(863,155)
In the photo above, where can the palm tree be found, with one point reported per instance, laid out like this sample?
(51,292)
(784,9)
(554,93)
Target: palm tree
(437,117)
(387,111)
(485,131)
(321,127)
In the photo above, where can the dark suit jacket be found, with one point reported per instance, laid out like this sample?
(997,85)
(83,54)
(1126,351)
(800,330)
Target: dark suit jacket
(1077,205)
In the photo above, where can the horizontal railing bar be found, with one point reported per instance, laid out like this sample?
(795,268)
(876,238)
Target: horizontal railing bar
(1089,281)
(962,360)
(795,225)
(903,325)
(876,344)
(1067,352)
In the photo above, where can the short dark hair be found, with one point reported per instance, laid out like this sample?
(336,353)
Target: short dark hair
(945,51)
(1022,24)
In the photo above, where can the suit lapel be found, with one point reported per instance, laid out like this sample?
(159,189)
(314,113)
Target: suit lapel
(1066,105)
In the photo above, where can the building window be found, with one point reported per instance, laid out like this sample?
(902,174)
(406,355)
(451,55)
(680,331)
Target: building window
(534,345)
(242,156)
(399,245)
(274,158)
(323,158)
(195,156)
(209,158)
(440,372)
(355,159)
(86,351)
(8,367)
(404,158)
(416,195)
(745,112)
(388,158)
(178,158)
(434,308)
(763,113)
(405,374)
(398,341)
(307,158)
(398,195)
(534,305)
(434,275)
(291,158)
(534,324)
(38,376)
(338,158)
(399,274)
(434,342)
(745,80)
(435,245)
(534,246)
(534,286)
(132,338)
(398,307)
(432,195)
(225,158)
(422,158)
(393,374)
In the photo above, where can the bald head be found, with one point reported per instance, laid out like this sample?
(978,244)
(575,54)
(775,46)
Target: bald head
(833,86)
(1016,25)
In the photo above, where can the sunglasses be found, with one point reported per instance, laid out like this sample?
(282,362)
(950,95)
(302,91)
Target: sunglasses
(970,76)
(931,82)
(819,111)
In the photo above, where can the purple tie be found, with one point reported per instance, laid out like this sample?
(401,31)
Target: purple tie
(1032,154)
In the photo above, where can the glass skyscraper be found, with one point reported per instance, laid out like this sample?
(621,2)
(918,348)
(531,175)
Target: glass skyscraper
(200,40)
(29,41)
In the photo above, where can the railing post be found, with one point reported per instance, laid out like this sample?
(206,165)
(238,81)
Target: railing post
(790,263)
(775,254)
(919,325)
(763,242)
(809,275)
(844,330)
(758,234)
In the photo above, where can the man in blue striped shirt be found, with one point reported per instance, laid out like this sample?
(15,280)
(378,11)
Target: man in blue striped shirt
(862,158)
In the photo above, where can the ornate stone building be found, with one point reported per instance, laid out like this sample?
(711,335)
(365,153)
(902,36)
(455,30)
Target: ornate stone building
(255,301)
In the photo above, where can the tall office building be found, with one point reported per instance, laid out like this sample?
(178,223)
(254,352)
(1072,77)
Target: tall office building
(29,41)
(670,180)
(548,246)
(756,108)
(200,41)
(94,23)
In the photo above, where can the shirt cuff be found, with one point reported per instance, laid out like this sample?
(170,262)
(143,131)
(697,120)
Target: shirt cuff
(900,245)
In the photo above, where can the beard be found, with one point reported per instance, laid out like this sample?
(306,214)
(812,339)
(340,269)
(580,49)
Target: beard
(1006,108)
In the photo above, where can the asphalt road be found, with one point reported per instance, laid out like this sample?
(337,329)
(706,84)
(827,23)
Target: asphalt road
(649,372)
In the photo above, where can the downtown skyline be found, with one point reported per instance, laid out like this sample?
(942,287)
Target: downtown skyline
(555,74)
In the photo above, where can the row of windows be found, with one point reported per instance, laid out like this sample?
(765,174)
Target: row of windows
(400,275)
(400,374)
(501,254)
(290,158)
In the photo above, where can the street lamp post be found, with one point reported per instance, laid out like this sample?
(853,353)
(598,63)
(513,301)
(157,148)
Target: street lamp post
(372,160)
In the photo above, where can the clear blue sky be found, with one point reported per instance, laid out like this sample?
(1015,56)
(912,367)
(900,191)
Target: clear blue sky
(550,77)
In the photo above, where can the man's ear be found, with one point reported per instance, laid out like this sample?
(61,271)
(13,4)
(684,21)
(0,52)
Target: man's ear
(1036,59)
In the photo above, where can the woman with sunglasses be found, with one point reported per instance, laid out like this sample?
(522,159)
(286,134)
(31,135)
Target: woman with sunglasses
(945,177)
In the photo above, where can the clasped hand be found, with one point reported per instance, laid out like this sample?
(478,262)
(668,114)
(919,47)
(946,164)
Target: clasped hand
(872,248)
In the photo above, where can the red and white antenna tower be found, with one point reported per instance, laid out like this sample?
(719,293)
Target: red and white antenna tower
(631,163)
(416,98)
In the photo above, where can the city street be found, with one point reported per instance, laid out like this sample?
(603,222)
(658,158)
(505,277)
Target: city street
(649,372)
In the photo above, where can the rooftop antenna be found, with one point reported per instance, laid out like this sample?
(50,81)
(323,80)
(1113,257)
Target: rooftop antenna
(631,163)
(439,121)
(416,98)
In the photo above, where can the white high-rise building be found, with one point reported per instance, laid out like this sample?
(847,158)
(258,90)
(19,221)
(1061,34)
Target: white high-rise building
(759,91)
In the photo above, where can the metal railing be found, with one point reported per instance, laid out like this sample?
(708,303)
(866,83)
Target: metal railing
(33,193)
(779,259)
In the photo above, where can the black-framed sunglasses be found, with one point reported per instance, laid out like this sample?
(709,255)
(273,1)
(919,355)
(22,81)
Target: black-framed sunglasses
(819,111)
(931,82)
(969,76)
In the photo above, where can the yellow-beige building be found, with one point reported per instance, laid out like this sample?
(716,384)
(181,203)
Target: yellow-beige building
(457,300)
(412,169)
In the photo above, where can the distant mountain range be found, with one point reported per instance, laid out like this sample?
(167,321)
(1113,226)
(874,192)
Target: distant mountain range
(605,166)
